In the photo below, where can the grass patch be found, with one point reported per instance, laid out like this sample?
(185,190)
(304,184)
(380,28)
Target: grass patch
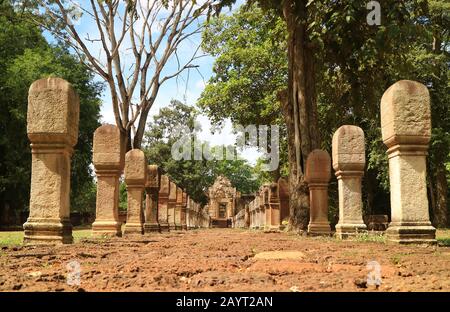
(15,238)
(370,237)
(80,234)
(443,237)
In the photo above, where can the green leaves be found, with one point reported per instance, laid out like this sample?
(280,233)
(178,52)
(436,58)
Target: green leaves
(25,56)
(194,176)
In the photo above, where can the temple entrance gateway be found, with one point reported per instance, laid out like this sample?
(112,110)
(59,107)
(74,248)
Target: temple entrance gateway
(222,202)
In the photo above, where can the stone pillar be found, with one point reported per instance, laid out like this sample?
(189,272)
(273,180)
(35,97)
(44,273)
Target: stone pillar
(183,211)
(178,207)
(318,174)
(406,131)
(108,159)
(267,213)
(151,199)
(253,215)
(188,212)
(52,128)
(273,222)
(163,200)
(194,215)
(283,196)
(262,212)
(349,161)
(135,178)
(257,207)
(171,205)
(247,216)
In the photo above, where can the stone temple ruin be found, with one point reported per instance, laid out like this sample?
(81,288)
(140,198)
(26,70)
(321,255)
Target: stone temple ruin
(158,204)
(222,202)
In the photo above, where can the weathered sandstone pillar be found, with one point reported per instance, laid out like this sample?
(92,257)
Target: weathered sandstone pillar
(348,162)
(178,207)
(135,178)
(257,210)
(318,174)
(171,205)
(52,128)
(283,195)
(108,159)
(151,199)
(273,210)
(188,212)
(163,201)
(183,211)
(406,131)
(247,216)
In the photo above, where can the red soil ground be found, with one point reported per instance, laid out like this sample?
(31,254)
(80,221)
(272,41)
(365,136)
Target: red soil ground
(224,260)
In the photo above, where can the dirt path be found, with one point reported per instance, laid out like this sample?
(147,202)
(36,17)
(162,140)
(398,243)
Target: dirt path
(224,260)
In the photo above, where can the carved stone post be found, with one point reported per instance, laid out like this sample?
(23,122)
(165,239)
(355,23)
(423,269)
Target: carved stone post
(348,162)
(151,199)
(108,159)
(52,128)
(135,178)
(163,200)
(283,195)
(183,211)
(406,131)
(318,174)
(171,206)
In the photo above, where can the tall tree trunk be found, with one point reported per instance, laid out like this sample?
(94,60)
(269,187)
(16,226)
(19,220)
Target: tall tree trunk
(300,111)
(440,210)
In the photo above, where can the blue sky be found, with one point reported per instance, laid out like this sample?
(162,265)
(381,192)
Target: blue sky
(186,88)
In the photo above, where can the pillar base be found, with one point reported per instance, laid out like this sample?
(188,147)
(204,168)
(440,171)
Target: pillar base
(319,229)
(47,231)
(151,228)
(172,227)
(411,233)
(349,229)
(184,227)
(272,229)
(107,228)
(163,227)
(178,227)
(133,228)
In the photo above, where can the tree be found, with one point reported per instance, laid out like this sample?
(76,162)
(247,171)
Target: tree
(25,56)
(250,68)
(333,36)
(153,31)
(194,176)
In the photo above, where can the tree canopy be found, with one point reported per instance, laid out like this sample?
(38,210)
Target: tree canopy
(26,56)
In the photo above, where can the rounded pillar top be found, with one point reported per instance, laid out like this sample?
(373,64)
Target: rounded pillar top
(406,114)
(53,112)
(179,195)
(185,198)
(165,185)
(348,148)
(283,189)
(318,169)
(135,167)
(273,192)
(153,177)
(172,191)
(108,151)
